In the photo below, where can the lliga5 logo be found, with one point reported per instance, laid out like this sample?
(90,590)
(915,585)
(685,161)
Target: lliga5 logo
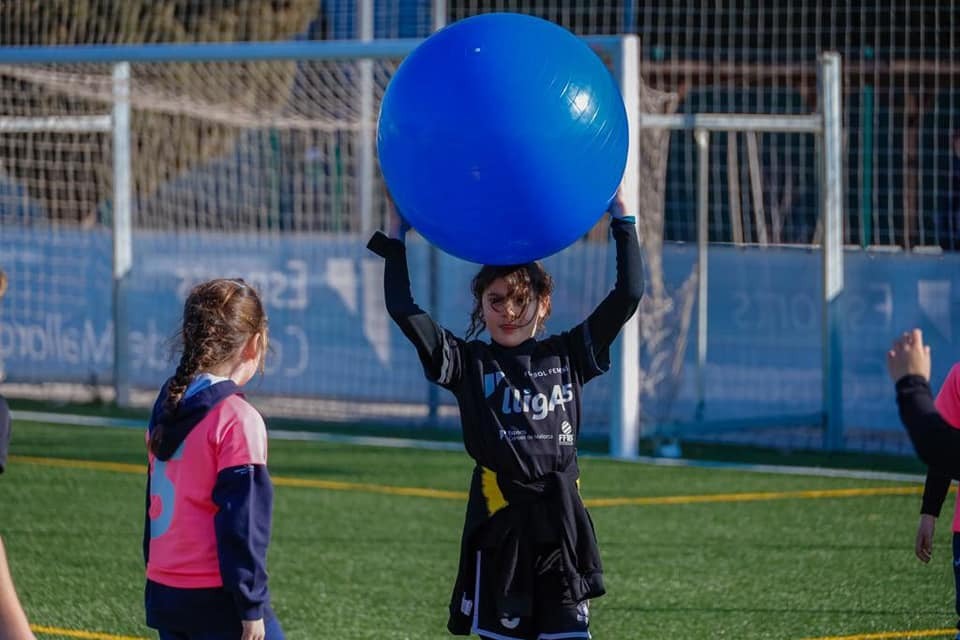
(539,405)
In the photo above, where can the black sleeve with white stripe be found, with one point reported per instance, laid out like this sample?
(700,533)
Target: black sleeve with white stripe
(438,349)
(603,325)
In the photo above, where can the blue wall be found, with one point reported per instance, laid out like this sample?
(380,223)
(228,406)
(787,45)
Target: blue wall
(332,338)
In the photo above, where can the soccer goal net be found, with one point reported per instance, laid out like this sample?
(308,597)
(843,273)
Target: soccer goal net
(131,173)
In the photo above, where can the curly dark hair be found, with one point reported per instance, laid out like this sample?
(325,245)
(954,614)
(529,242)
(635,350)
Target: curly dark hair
(525,283)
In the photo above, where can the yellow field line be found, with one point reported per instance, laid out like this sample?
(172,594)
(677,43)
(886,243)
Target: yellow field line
(335,485)
(754,496)
(885,635)
(889,635)
(332,485)
(86,635)
(96,465)
(421,492)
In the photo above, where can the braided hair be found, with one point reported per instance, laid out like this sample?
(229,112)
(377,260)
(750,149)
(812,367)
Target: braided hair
(219,318)
(526,283)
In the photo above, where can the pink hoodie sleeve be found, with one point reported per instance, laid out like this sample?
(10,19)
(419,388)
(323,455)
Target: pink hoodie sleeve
(241,436)
(948,399)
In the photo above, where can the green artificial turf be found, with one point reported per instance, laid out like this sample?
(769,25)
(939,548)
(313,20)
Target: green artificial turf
(359,562)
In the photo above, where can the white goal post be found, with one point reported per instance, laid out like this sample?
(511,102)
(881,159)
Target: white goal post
(826,125)
(622,53)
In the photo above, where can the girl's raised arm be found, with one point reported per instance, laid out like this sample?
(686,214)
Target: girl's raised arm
(621,303)
(438,349)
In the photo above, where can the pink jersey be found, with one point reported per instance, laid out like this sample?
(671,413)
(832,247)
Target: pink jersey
(948,404)
(183,545)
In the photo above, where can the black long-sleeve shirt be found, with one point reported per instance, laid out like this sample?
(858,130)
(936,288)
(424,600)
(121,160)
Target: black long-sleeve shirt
(936,486)
(936,442)
(520,410)
(935,489)
(519,389)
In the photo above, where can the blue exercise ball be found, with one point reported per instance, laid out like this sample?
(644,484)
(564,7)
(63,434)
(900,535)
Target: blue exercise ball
(502,138)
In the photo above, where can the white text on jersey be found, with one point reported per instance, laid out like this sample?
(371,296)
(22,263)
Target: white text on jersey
(538,404)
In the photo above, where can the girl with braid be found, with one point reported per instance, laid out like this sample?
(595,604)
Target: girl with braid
(209,496)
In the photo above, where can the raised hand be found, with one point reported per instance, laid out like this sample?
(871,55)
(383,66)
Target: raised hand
(397,225)
(616,209)
(909,356)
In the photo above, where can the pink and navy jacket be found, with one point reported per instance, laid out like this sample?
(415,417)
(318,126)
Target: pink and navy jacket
(938,481)
(208,515)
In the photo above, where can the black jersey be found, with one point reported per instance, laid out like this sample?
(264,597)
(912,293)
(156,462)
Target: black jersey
(520,410)
(520,407)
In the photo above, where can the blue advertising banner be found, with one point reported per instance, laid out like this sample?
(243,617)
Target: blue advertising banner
(331,337)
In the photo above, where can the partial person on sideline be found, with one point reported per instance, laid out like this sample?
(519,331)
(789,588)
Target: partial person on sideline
(936,442)
(13,621)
